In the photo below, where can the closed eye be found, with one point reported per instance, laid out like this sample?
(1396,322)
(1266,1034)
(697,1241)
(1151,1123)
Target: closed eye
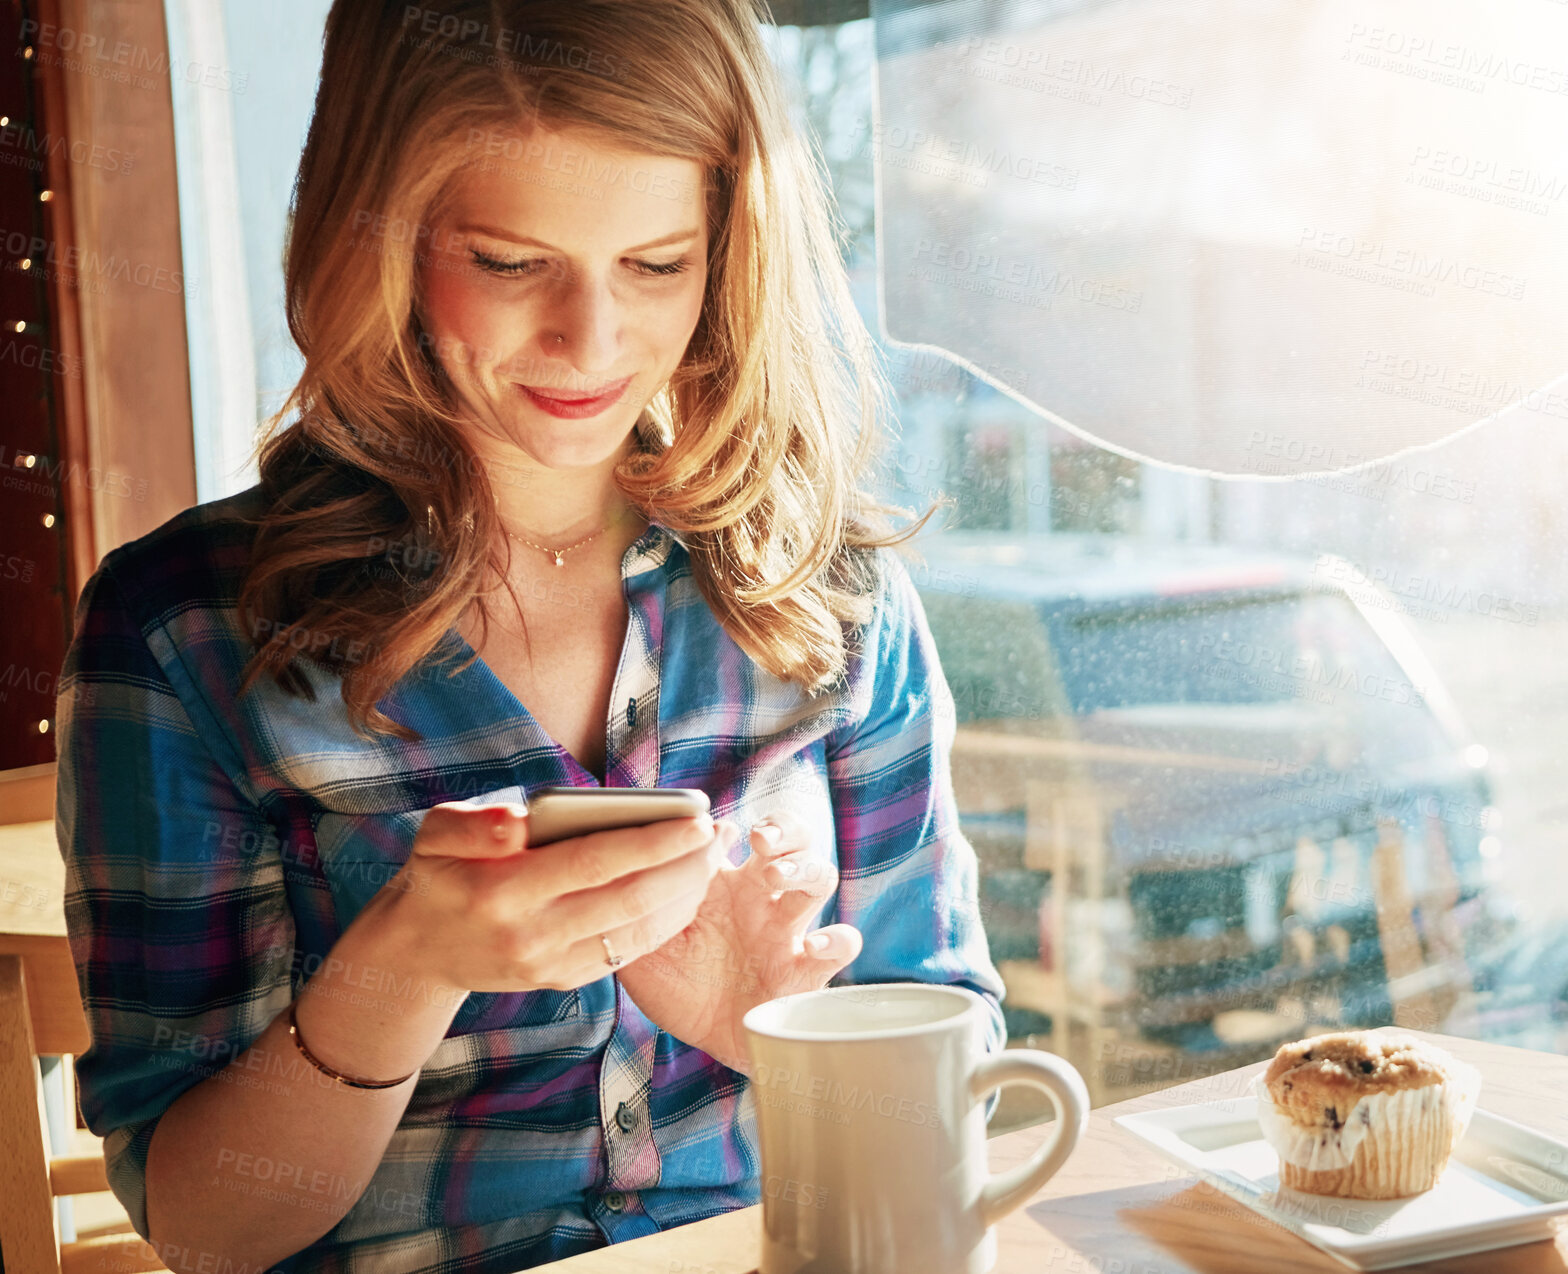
(525,266)
(669,267)
(497,266)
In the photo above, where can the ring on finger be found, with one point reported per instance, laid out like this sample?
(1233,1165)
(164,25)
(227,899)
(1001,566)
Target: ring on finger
(611,958)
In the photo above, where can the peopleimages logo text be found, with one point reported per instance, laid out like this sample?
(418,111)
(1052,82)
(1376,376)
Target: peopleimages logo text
(773,1084)
(1427,590)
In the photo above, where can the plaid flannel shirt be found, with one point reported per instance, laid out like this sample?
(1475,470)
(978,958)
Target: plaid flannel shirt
(217,845)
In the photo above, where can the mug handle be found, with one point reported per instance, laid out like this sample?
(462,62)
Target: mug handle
(1057,1078)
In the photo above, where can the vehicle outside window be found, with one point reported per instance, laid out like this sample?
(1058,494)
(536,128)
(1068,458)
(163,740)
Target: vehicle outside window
(1217,801)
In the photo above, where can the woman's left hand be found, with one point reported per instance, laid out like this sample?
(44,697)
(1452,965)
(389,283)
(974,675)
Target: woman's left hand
(748,944)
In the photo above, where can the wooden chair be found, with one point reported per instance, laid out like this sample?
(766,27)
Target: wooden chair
(41,1014)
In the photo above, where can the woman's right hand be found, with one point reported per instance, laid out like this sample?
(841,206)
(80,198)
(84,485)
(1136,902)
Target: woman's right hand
(476,909)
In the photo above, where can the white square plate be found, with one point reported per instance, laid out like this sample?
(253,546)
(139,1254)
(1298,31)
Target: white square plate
(1503,1186)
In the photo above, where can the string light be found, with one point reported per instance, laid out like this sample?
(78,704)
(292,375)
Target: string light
(39,325)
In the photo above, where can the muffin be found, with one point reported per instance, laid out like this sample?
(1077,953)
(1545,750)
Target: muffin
(1364,1114)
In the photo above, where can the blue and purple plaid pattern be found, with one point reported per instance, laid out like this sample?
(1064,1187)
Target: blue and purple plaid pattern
(216,847)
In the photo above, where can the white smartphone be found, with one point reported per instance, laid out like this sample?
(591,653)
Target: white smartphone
(557,813)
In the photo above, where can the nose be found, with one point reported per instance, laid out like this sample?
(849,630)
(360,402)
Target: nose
(586,313)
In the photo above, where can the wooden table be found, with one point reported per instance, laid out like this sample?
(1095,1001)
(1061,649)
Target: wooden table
(1120,1208)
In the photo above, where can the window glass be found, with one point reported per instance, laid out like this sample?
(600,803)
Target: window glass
(1277,239)
(1240,759)
(238,136)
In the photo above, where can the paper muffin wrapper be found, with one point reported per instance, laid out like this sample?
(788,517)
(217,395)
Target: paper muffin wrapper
(1387,1116)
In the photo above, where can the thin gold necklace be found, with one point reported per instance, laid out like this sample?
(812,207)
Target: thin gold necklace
(558,554)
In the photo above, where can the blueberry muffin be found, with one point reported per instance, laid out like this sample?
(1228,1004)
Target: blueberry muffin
(1364,1114)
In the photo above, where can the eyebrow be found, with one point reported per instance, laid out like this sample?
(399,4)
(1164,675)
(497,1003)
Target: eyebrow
(680,236)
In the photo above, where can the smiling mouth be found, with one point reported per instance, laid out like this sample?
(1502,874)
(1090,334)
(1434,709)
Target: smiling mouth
(610,391)
(573,404)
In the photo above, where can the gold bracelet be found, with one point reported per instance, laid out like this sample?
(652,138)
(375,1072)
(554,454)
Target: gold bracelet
(299,1043)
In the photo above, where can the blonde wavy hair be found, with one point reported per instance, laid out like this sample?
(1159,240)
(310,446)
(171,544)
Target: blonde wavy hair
(755,452)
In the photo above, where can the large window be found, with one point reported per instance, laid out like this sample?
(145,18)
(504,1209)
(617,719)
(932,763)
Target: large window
(1241,759)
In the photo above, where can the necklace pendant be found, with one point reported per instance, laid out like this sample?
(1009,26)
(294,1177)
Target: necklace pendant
(559,560)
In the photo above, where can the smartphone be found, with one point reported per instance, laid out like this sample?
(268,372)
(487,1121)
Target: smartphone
(556,813)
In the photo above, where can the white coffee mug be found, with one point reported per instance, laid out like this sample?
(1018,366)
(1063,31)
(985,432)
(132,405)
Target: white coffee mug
(871,1113)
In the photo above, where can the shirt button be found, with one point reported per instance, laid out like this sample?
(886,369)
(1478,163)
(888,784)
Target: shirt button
(631,712)
(625,1117)
(615,1200)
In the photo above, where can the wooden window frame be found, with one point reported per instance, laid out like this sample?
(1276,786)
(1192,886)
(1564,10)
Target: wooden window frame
(129,413)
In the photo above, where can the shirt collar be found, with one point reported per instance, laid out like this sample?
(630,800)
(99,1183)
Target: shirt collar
(650,550)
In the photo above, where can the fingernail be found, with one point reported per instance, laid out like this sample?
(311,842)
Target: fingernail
(786,868)
(768,832)
(818,942)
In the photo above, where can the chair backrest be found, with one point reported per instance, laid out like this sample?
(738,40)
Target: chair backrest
(41,1013)
(54,1001)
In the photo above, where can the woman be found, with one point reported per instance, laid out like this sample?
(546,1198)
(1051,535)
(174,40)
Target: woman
(571,495)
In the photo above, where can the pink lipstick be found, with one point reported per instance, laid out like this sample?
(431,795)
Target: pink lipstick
(575,407)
